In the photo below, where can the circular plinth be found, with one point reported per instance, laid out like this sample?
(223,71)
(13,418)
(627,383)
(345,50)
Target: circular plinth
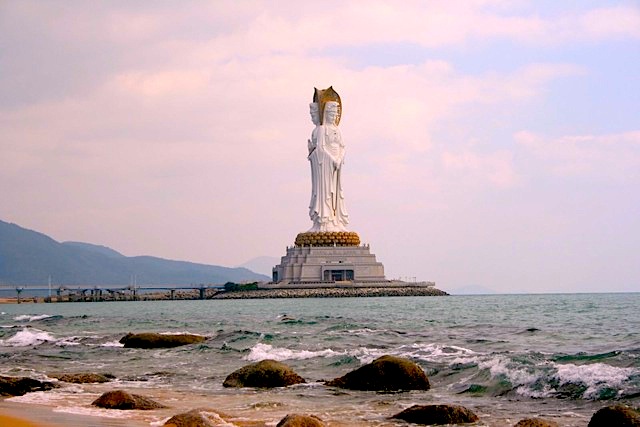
(328,238)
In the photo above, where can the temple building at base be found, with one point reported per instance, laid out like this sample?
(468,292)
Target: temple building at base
(328,264)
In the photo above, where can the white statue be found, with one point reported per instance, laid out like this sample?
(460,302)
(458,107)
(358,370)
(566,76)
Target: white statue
(326,153)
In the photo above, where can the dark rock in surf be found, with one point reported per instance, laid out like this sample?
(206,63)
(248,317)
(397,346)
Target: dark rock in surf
(153,340)
(17,386)
(119,399)
(264,374)
(536,422)
(84,378)
(437,415)
(296,420)
(386,373)
(616,415)
(193,418)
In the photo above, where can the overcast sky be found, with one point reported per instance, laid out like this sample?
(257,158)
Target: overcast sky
(489,143)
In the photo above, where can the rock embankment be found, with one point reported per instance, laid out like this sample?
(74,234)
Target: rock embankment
(333,293)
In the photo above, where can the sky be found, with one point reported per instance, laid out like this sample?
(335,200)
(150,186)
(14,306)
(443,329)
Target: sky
(493,144)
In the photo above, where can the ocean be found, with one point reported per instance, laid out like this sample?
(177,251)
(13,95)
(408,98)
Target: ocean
(506,357)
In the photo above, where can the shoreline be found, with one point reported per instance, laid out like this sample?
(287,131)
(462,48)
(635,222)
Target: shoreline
(261,408)
(18,414)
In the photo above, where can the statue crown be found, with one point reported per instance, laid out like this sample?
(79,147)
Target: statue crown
(322,96)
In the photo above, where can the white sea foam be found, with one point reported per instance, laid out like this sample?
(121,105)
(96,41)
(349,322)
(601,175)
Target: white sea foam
(435,352)
(361,331)
(94,412)
(30,317)
(69,341)
(40,398)
(428,352)
(112,344)
(595,376)
(526,379)
(28,337)
(517,375)
(262,351)
(421,351)
(76,340)
(367,355)
(179,333)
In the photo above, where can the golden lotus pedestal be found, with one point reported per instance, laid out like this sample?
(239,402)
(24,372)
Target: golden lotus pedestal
(327,238)
(328,257)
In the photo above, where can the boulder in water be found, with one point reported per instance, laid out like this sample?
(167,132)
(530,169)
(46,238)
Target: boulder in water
(154,340)
(84,378)
(17,386)
(536,422)
(297,420)
(616,415)
(264,374)
(386,373)
(119,399)
(437,414)
(193,418)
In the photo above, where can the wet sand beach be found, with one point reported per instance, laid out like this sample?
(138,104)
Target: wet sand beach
(13,414)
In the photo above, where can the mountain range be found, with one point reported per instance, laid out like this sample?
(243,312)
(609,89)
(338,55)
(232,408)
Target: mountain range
(28,257)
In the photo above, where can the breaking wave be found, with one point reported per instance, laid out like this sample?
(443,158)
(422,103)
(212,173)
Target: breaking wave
(262,351)
(28,337)
(529,375)
(32,318)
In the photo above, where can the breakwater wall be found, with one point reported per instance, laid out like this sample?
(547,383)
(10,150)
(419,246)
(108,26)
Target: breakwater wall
(378,291)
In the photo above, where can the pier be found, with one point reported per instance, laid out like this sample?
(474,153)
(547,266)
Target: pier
(90,293)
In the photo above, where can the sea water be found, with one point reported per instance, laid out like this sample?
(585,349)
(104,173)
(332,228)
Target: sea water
(506,357)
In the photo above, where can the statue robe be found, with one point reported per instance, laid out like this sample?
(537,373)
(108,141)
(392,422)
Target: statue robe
(327,208)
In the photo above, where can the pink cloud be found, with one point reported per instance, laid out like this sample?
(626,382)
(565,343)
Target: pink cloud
(615,156)
(495,169)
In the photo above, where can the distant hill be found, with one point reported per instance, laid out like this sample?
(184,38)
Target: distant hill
(29,257)
(261,264)
(95,248)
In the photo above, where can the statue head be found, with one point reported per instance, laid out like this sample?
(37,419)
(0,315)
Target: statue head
(331,113)
(315,113)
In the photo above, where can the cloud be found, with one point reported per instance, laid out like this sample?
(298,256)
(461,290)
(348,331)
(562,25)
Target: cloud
(495,168)
(615,22)
(614,156)
(167,83)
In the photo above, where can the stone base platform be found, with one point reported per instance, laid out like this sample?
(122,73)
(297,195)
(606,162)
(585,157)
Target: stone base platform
(328,265)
